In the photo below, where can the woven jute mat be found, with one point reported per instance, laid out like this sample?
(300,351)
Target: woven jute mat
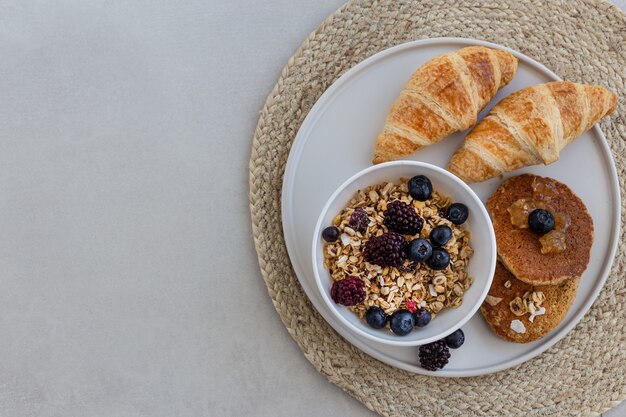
(580,40)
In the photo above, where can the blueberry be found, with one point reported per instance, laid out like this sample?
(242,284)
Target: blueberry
(420,187)
(376,317)
(440,259)
(330,234)
(457,213)
(422,318)
(541,221)
(440,235)
(402,322)
(456,339)
(419,250)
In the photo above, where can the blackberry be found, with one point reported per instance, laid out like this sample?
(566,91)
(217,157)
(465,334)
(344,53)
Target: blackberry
(359,220)
(348,291)
(385,250)
(434,355)
(402,218)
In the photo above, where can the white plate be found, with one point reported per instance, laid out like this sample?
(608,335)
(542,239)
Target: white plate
(336,140)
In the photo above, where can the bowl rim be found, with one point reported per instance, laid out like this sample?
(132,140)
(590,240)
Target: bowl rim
(317,240)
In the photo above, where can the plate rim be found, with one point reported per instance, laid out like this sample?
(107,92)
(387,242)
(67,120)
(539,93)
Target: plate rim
(287,182)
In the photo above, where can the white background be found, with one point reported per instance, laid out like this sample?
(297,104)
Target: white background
(130,285)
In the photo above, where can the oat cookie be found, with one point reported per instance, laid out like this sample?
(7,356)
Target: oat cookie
(520,312)
(520,249)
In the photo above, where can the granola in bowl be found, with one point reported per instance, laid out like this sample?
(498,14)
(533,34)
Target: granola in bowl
(394,250)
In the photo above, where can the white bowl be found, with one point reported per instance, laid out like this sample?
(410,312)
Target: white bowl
(481,266)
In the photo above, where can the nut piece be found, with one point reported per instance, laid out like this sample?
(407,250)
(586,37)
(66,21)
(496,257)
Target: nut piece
(518,327)
(457,290)
(539,312)
(492,301)
(518,307)
(431,289)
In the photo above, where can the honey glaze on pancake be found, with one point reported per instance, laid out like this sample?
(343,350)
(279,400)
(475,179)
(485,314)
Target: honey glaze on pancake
(520,249)
(543,193)
(505,288)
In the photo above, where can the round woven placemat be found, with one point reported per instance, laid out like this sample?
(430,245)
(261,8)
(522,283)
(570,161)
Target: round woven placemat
(580,40)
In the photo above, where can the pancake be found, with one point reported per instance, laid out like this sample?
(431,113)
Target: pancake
(558,299)
(520,250)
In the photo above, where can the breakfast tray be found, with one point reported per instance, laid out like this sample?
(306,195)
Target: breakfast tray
(583,374)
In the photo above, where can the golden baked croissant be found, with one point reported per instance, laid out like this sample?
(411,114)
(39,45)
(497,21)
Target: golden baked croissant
(529,127)
(443,96)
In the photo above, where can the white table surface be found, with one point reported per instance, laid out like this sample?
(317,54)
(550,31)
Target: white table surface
(130,281)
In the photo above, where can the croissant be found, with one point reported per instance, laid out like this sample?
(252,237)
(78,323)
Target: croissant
(443,96)
(529,127)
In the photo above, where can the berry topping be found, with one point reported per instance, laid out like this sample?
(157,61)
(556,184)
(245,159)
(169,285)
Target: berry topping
(402,322)
(420,187)
(541,221)
(440,235)
(376,317)
(385,250)
(422,318)
(402,218)
(434,355)
(330,234)
(359,220)
(411,306)
(457,213)
(440,259)
(419,250)
(348,291)
(455,340)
